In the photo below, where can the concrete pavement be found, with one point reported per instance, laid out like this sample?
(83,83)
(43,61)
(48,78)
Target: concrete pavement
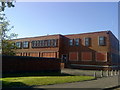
(100,83)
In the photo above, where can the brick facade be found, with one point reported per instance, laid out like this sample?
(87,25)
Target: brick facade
(85,51)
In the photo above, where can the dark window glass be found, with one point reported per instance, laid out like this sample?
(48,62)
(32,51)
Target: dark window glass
(71,42)
(101,40)
(52,42)
(87,41)
(45,42)
(55,42)
(37,43)
(18,44)
(48,43)
(77,41)
(40,43)
(33,43)
(25,44)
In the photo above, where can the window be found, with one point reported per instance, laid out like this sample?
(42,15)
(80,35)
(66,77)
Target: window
(54,42)
(45,41)
(86,56)
(87,41)
(34,43)
(48,43)
(25,44)
(71,42)
(18,44)
(101,40)
(73,56)
(101,56)
(40,43)
(37,43)
(77,41)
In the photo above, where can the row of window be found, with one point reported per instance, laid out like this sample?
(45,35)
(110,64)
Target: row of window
(38,43)
(45,43)
(53,42)
(88,56)
(87,41)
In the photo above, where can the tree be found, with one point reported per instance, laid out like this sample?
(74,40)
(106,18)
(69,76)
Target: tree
(6,3)
(6,45)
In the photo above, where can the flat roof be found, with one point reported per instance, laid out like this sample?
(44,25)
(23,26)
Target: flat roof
(67,34)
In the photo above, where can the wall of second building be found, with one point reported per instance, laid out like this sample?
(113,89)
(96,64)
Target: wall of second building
(87,55)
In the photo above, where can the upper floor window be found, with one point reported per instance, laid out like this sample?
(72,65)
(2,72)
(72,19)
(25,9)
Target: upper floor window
(49,43)
(40,43)
(71,42)
(25,44)
(45,43)
(87,41)
(77,41)
(33,43)
(101,40)
(18,44)
(37,43)
(54,42)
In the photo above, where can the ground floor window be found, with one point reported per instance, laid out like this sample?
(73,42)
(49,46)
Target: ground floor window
(49,54)
(101,56)
(86,56)
(34,54)
(73,56)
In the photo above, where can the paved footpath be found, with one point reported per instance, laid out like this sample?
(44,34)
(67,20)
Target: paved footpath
(105,82)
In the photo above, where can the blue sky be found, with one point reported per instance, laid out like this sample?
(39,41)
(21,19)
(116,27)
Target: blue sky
(32,19)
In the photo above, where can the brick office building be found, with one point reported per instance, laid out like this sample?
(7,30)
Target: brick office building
(96,50)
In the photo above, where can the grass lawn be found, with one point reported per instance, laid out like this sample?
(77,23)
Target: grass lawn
(41,80)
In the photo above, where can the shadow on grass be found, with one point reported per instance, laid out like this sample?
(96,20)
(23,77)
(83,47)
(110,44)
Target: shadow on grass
(34,74)
(6,84)
(16,85)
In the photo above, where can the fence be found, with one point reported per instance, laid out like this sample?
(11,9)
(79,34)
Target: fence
(13,64)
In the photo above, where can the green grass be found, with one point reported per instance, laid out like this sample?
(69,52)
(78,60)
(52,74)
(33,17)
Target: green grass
(41,80)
